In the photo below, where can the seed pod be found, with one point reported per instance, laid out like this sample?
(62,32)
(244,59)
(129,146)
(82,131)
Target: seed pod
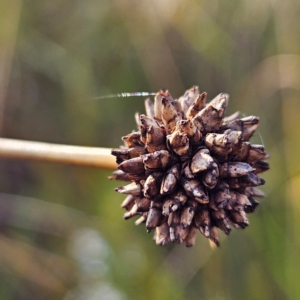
(223,144)
(245,181)
(194,189)
(202,221)
(238,200)
(197,122)
(220,102)
(260,166)
(256,153)
(132,139)
(197,106)
(154,136)
(133,166)
(120,175)
(145,124)
(201,161)
(191,237)
(212,205)
(247,126)
(155,140)
(221,195)
(211,116)
(250,125)
(152,184)
(188,213)
(143,204)
(187,173)
(251,208)
(218,143)
(179,143)
(132,213)
(162,234)
(251,180)
(220,220)
(141,219)
(169,115)
(133,188)
(192,132)
(155,217)
(214,237)
(234,183)
(178,107)
(182,234)
(140,206)
(188,98)
(129,202)
(136,151)
(238,218)
(124,154)
(210,177)
(240,152)
(250,153)
(252,191)
(180,196)
(170,179)
(156,160)
(121,154)
(235,169)
(169,206)
(191,167)
(174,226)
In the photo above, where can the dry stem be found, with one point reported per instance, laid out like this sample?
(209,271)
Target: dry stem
(77,155)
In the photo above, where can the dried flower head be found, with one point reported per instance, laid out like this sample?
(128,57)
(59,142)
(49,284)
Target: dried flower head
(191,169)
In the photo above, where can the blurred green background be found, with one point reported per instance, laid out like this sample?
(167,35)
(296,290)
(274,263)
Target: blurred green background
(62,233)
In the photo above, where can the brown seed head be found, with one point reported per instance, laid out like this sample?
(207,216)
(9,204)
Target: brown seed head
(191,168)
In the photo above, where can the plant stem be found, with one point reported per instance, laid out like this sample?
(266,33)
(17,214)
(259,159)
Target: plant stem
(77,155)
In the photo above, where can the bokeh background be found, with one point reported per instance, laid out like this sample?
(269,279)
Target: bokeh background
(62,235)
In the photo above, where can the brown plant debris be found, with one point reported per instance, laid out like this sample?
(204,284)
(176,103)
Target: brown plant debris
(190,168)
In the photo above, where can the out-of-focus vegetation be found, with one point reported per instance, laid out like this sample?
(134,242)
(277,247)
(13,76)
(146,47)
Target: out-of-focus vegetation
(62,235)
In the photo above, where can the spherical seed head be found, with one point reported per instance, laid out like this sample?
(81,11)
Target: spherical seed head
(191,168)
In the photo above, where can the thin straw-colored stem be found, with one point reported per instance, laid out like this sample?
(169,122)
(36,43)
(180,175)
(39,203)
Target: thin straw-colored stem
(77,155)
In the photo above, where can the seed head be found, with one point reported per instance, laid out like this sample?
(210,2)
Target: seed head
(190,168)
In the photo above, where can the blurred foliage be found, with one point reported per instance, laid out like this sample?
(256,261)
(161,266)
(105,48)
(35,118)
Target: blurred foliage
(62,235)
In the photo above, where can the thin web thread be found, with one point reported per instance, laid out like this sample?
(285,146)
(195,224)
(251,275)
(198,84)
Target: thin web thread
(123,95)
